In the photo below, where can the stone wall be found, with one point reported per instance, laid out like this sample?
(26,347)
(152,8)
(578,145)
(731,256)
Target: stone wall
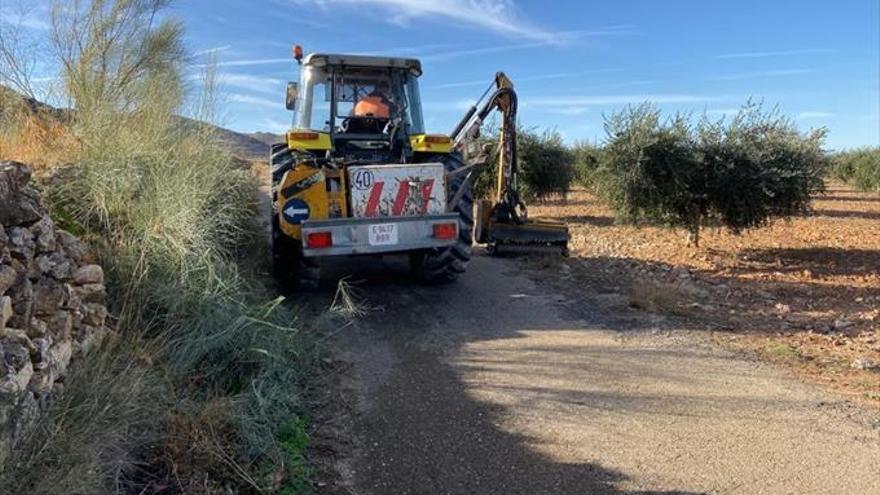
(51,305)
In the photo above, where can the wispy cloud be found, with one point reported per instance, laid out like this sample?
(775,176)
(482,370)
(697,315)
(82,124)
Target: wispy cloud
(814,115)
(25,19)
(606,100)
(761,74)
(250,82)
(781,53)
(255,100)
(539,77)
(499,16)
(252,62)
(211,51)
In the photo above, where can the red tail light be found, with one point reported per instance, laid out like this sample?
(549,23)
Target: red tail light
(444,231)
(319,240)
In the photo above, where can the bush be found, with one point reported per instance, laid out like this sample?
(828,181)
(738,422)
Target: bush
(546,165)
(737,174)
(860,168)
(168,211)
(587,158)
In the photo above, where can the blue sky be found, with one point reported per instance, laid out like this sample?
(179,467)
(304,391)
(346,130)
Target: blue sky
(572,61)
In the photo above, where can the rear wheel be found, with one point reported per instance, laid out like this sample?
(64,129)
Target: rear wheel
(289,267)
(435,266)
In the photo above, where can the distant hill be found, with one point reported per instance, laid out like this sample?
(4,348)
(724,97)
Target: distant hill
(245,146)
(267,137)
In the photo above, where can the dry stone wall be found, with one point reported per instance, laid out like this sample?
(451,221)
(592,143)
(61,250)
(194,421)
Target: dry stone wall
(51,305)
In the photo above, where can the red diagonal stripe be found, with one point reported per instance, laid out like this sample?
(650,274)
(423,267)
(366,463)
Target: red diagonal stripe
(427,186)
(373,202)
(400,200)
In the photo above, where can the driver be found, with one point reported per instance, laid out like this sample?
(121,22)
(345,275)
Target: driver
(374,105)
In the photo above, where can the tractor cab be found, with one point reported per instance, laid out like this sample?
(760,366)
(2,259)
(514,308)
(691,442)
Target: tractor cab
(363,108)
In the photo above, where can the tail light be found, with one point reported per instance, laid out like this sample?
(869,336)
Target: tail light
(319,240)
(445,231)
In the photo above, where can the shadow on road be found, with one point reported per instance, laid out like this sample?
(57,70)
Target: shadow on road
(422,430)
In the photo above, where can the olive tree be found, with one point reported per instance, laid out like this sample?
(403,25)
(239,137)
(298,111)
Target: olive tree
(737,174)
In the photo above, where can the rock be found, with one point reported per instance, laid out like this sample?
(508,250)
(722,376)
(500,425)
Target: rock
(14,382)
(6,311)
(864,364)
(74,300)
(19,204)
(840,324)
(59,357)
(8,276)
(41,382)
(38,329)
(94,314)
(22,294)
(90,293)
(60,325)
(54,265)
(49,296)
(89,274)
(21,244)
(73,248)
(15,337)
(43,232)
(40,354)
(87,338)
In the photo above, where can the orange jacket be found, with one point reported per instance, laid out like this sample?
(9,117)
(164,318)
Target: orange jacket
(372,106)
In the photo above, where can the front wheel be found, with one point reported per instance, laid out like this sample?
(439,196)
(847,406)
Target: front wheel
(443,265)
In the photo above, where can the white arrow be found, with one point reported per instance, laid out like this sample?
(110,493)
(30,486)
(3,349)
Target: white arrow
(296,211)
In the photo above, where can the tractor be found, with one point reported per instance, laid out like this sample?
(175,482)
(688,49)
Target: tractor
(359,175)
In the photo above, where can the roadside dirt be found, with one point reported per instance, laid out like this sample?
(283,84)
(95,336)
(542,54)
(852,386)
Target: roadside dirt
(507,383)
(803,293)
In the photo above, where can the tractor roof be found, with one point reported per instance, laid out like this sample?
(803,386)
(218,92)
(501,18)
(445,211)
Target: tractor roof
(335,59)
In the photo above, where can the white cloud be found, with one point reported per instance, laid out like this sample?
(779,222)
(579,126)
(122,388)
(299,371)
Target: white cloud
(782,53)
(538,77)
(251,62)
(761,74)
(250,82)
(211,51)
(634,99)
(500,16)
(814,115)
(256,100)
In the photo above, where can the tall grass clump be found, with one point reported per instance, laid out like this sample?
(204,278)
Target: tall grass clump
(859,168)
(169,212)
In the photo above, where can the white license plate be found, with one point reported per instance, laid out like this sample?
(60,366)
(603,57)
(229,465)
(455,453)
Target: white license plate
(383,234)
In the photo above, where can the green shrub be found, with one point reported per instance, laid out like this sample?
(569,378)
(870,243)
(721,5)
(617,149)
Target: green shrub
(737,174)
(168,211)
(860,168)
(546,165)
(587,158)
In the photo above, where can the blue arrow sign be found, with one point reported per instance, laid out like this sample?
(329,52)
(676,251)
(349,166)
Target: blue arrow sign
(295,211)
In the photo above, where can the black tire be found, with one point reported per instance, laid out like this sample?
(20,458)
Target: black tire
(437,266)
(289,267)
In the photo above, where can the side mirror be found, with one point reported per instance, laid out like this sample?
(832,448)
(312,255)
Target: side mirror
(290,100)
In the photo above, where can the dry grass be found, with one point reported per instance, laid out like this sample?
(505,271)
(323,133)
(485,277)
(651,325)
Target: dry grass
(810,285)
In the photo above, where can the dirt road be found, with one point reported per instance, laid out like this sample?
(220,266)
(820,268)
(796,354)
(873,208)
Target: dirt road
(500,385)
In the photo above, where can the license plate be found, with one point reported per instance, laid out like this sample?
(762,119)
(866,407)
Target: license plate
(383,234)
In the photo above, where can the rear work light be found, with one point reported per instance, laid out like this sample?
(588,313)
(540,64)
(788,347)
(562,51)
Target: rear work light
(444,231)
(319,240)
(436,139)
(303,136)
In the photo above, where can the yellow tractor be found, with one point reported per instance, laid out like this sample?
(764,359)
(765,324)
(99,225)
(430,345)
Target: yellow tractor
(359,175)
